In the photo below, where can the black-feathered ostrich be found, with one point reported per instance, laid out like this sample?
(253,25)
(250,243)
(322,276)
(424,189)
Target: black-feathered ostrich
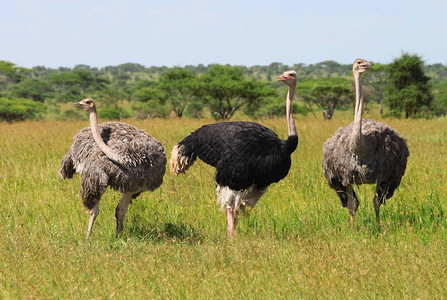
(113,154)
(365,152)
(248,157)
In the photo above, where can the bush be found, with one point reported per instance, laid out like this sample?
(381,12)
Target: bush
(194,110)
(112,113)
(20,109)
(150,109)
(74,114)
(277,109)
(393,114)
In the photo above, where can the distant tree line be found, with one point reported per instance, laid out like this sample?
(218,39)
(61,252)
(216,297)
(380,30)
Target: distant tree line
(406,87)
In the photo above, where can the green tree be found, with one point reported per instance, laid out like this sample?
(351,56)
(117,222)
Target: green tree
(113,100)
(10,74)
(328,68)
(194,109)
(72,85)
(328,98)
(439,104)
(376,79)
(180,88)
(328,94)
(31,88)
(258,94)
(85,80)
(148,101)
(7,71)
(408,89)
(225,90)
(274,69)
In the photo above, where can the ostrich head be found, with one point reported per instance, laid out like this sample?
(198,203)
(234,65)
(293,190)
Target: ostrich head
(86,104)
(288,77)
(361,66)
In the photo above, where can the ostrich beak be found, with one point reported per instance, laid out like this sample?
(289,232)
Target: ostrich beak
(77,104)
(283,78)
(368,66)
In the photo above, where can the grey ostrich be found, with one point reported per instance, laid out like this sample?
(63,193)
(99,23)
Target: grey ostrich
(365,152)
(248,157)
(113,154)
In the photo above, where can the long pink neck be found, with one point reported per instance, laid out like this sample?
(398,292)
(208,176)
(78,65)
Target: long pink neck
(358,100)
(357,141)
(290,122)
(112,155)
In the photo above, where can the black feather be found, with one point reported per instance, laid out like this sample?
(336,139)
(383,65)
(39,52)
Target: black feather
(243,153)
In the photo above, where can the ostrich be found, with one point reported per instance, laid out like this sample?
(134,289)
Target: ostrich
(248,157)
(365,152)
(113,154)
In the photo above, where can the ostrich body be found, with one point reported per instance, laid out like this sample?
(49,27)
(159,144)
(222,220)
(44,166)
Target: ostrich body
(365,152)
(248,157)
(113,154)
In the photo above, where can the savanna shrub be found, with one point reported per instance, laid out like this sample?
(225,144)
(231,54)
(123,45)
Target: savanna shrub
(20,109)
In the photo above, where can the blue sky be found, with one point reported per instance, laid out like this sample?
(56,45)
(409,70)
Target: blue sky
(101,33)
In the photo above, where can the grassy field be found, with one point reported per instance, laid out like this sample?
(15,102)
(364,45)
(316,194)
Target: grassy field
(296,243)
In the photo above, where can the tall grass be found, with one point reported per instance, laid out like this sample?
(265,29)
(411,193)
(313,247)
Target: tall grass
(296,243)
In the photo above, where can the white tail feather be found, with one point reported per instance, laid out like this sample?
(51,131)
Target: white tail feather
(179,163)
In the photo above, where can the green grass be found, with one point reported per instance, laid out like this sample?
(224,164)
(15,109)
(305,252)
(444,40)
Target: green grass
(296,243)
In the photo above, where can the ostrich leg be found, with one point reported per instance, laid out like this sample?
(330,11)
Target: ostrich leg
(378,199)
(232,220)
(353,203)
(233,211)
(94,212)
(377,202)
(120,212)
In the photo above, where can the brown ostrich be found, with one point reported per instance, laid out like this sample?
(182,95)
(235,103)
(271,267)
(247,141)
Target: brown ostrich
(365,152)
(113,154)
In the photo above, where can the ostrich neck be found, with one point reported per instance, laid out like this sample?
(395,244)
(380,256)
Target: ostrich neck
(290,122)
(357,139)
(112,155)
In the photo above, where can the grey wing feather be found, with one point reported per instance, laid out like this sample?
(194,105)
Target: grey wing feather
(67,169)
(144,156)
(385,162)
